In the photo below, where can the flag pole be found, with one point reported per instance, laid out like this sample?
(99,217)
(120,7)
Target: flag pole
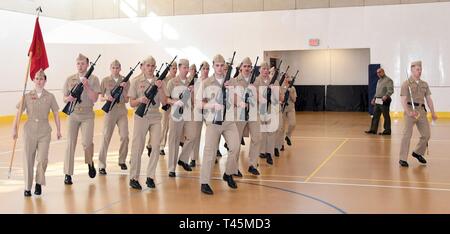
(27,73)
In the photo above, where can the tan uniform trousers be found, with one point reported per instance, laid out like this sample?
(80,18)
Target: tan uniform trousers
(176,130)
(279,137)
(424,130)
(289,120)
(164,129)
(151,122)
(255,140)
(117,116)
(36,145)
(85,121)
(195,155)
(212,137)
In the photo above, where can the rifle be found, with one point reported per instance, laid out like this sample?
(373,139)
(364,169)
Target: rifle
(157,72)
(77,90)
(286,94)
(184,96)
(117,91)
(237,71)
(284,76)
(268,90)
(224,95)
(150,93)
(247,95)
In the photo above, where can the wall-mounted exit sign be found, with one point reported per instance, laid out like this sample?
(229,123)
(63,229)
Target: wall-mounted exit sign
(314,42)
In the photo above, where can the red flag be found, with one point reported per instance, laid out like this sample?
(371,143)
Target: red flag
(39,55)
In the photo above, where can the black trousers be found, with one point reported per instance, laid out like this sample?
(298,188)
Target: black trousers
(378,110)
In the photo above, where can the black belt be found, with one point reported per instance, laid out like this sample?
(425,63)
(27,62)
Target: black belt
(416,104)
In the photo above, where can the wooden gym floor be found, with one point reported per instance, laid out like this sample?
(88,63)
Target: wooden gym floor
(332,167)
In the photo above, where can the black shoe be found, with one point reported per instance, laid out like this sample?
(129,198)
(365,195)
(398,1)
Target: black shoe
(226,146)
(419,157)
(238,174)
(181,144)
(192,164)
(206,189)
(370,132)
(403,163)
(68,180)
(269,159)
(102,171)
(150,183)
(161,152)
(242,141)
(277,153)
(92,171)
(288,141)
(218,154)
(185,166)
(149,150)
(123,166)
(385,133)
(230,181)
(135,184)
(37,189)
(253,170)
(262,155)
(172,174)
(27,193)
(282,148)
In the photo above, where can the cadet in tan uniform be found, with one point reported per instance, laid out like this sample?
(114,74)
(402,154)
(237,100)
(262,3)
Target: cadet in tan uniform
(175,87)
(37,132)
(288,115)
(268,136)
(243,81)
(279,134)
(150,122)
(207,99)
(198,123)
(165,115)
(420,92)
(82,117)
(118,115)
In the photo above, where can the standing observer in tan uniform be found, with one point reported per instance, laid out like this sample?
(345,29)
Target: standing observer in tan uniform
(420,92)
(118,115)
(180,127)
(212,88)
(288,115)
(150,122)
(243,81)
(82,117)
(37,132)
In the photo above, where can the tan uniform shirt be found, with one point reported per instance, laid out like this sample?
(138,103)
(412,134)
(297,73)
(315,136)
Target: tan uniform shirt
(37,109)
(108,84)
(419,90)
(292,97)
(72,81)
(138,87)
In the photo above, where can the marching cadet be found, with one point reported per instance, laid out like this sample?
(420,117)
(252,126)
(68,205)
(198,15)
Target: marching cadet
(192,71)
(288,115)
(198,123)
(165,115)
(268,136)
(150,122)
(118,115)
(243,81)
(177,126)
(414,92)
(207,99)
(82,117)
(37,132)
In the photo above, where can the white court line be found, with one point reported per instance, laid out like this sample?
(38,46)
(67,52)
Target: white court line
(360,138)
(348,184)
